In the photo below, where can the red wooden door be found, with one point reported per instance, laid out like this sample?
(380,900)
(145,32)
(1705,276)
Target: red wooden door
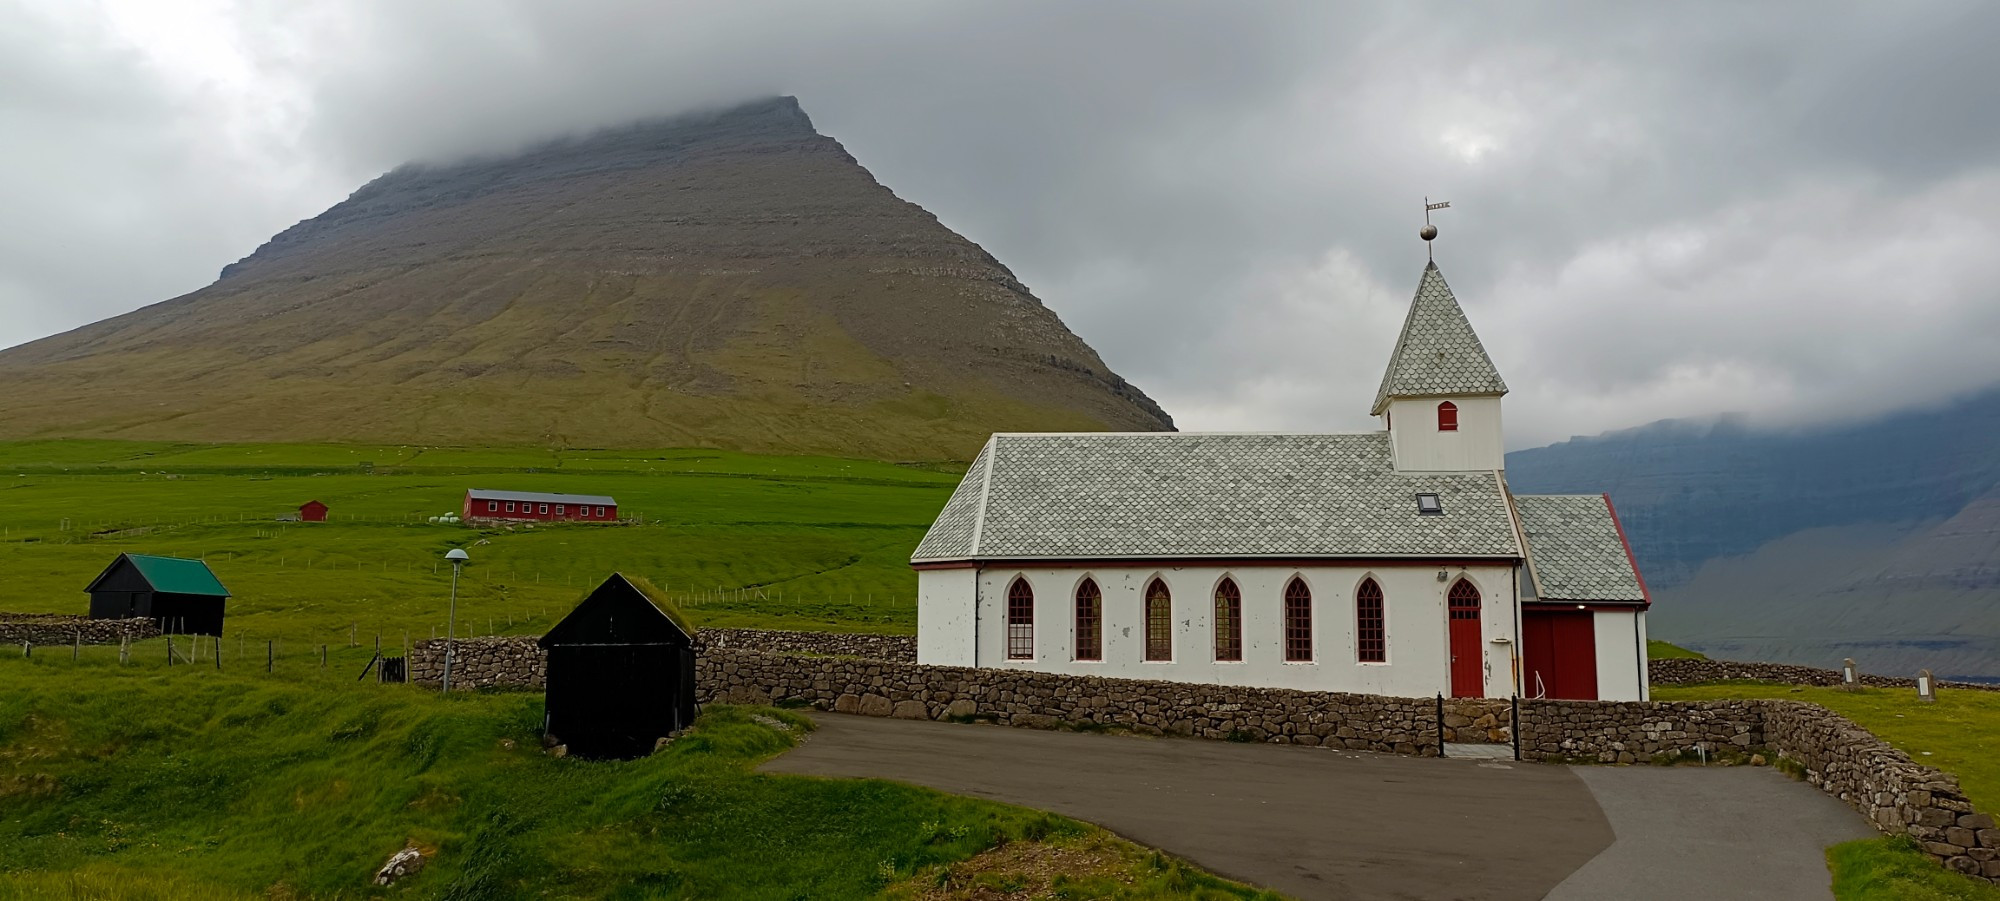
(1558,654)
(1468,673)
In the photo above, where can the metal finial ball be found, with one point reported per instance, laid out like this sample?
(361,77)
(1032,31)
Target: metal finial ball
(1429,232)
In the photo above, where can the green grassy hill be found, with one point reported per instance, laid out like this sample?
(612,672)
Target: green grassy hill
(738,539)
(136,782)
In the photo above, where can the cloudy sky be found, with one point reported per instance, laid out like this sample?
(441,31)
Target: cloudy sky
(1659,210)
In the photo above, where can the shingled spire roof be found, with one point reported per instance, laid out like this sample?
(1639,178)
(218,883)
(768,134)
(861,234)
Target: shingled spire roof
(1438,353)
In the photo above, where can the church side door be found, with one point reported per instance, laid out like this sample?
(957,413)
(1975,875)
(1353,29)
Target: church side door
(1468,675)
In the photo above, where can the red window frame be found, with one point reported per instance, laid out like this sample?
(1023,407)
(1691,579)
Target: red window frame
(1371,635)
(1089,621)
(1020,621)
(1159,621)
(1298,622)
(1228,622)
(1447,417)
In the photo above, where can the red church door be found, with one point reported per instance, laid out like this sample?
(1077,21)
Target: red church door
(1468,672)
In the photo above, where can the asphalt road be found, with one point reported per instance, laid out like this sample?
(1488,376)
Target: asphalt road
(1698,834)
(1308,822)
(1314,824)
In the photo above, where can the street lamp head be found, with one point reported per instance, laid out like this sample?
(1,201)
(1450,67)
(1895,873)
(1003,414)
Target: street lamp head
(457,555)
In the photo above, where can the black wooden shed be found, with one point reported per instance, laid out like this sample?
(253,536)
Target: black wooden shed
(620,672)
(181,595)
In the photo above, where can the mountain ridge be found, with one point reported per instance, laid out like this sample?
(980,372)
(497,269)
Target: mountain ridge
(727,278)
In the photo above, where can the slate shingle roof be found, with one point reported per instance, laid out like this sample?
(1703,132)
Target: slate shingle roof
(1437,353)
(1102,495)
(1574,550)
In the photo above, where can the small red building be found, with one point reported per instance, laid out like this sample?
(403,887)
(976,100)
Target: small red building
(536,506)
(312,511)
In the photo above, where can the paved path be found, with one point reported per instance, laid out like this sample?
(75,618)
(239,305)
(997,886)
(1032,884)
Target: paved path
(1707,833)
(1308,822)
(1317,824)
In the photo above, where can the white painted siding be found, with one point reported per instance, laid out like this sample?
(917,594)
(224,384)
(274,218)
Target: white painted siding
(945,627)
(1414,610)
(1621,655)
(1477,445)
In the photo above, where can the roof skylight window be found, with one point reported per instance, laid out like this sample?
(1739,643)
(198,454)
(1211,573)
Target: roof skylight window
(1429,505)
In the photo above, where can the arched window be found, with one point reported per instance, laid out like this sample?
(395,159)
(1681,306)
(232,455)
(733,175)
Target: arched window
(1159,622)
(1371,638)
(1020,621)
(1298,622)
(1464,600)
(1089,621)
(1447,417)
(1228,621)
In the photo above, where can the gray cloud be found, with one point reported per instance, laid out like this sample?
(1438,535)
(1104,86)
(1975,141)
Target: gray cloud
(1661,210)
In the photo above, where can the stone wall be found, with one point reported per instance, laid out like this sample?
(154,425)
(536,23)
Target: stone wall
(1045,700)
(1684,671)
(506,662)
(1897,794)
(1636,731)
(51,629)
(899,648)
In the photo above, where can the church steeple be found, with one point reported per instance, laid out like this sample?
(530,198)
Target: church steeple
(1441,393)
(1438,354)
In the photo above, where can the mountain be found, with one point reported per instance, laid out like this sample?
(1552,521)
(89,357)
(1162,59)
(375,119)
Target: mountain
(730,278)
(1878,540)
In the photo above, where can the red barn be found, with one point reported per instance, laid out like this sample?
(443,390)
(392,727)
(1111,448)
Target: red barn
(536,506)
(312,511)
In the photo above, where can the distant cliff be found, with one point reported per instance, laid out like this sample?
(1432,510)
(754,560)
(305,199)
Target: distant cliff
(730,278)
(1878,540)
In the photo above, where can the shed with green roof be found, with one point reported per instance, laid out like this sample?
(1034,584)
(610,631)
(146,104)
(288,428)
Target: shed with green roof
(183,596)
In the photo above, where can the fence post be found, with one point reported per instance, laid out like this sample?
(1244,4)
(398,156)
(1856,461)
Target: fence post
(170,649)
(216,647)
(76,649)
(1440,724)
(354,635)
(322,656)
(270,654)
(1514,723)
(125,648)
(27,649)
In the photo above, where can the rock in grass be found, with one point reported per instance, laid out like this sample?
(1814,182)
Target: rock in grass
(406,862)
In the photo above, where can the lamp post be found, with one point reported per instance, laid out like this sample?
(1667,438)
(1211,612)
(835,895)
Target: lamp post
(457,556)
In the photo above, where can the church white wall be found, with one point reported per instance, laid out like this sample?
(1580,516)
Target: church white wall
(945,605)
(1414,607)
(1477,445)
(1621,654)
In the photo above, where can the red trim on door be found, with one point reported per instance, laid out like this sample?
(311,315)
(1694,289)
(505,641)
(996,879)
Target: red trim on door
(1468,672)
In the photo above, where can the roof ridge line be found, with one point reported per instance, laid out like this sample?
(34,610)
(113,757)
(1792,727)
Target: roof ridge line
(985,489)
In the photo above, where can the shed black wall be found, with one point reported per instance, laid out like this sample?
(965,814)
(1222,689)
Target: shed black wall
(620,674)
(616,701)
(182,614)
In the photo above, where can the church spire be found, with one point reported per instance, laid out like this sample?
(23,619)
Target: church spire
(1437,355)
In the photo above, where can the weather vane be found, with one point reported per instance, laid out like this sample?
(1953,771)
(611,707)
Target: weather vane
(1431,231)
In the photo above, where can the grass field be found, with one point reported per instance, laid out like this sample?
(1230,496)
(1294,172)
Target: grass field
(738,539)
(137,781)
(1660,650)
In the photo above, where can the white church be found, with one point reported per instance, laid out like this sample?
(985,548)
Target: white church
(1392,562)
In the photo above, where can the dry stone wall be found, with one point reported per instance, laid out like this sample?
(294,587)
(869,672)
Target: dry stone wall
(50,629)
(1897,794)
(899,648)
(507,662)
(1636,731)
(1047,700)
(1685,671)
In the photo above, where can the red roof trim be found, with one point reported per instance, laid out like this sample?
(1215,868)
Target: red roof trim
(1636,574)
